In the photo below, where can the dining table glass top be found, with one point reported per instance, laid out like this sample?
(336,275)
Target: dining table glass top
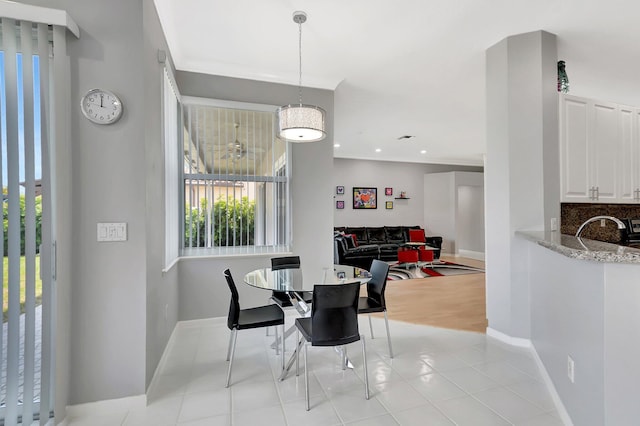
(291,279)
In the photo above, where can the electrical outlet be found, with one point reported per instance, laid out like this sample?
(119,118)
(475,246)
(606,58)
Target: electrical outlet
(603,223)
(554,223)
(571,369)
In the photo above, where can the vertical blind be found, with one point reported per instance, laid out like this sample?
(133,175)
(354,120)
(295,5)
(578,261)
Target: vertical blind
(171,170)
(26,382)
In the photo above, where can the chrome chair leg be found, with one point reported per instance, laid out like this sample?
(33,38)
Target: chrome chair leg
(283,340)
(233,350)
(230,343)
(277,341)
(298,352)
(370,326)
(343,350)
(306,377)
(366,372)
(386,321)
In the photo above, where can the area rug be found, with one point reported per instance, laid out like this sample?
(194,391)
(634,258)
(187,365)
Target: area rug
(437,269)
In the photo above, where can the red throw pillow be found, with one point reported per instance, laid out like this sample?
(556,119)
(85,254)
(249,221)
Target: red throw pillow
(353,238)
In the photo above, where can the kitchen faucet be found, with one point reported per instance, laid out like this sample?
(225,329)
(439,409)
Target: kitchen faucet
(595,218)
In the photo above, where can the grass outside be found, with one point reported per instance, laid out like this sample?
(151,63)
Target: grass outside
(5,286)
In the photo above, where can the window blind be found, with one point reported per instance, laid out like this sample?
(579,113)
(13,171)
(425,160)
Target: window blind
(171,170)
(26,334)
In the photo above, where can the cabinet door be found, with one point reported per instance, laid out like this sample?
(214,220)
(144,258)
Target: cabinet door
(574,149)
(605,146)
(628,170)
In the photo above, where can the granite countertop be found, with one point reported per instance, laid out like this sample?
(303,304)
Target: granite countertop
(582,248)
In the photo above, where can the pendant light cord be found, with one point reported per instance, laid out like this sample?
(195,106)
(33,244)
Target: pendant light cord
(300,61)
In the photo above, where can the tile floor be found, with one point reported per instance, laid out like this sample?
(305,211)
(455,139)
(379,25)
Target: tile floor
(437,377)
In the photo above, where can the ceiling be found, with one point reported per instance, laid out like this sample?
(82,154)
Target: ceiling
(405,67)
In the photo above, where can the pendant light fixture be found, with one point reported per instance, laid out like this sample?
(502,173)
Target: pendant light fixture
(299,122)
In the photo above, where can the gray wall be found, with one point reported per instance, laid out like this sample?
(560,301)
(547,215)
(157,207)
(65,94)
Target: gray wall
(114,289)
(567,312)
(408,177)
(521,134)
(447,216)
(470,219)
(162,288)
(202,291)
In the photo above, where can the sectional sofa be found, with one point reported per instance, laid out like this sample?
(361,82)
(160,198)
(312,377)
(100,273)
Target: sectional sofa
(358,246)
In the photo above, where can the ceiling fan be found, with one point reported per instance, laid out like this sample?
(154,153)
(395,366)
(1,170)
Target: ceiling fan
(237,150)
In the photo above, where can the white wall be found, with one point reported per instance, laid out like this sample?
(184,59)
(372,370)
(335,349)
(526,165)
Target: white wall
(459,221)
(408,177)
(520,188)
(470,219)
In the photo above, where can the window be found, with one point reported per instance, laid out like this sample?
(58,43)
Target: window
(236,180)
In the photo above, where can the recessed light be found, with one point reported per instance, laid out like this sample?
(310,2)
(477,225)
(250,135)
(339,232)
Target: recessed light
(378,150)
(336,145)
(424,151)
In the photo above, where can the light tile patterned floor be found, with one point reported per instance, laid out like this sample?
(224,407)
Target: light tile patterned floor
(437,377)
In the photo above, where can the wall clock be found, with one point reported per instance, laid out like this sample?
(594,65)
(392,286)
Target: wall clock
(101,106)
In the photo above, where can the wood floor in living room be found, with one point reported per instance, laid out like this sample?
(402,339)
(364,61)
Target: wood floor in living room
(454,301)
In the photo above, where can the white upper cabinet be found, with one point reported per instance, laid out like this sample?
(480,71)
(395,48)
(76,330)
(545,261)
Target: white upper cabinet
(599,151)
(629,154)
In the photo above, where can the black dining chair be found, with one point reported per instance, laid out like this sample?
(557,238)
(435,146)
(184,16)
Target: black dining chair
(244,319)
(375,302)
(333,322)
(281,298)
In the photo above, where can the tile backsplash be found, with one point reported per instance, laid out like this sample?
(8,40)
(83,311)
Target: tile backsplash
(572,215)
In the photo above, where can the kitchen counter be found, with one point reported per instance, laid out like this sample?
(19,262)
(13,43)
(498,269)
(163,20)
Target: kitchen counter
(582,248)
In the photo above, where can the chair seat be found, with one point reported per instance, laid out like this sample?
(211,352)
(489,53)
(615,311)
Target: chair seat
(283,300)
(304,325)
(367,305)
(262,316)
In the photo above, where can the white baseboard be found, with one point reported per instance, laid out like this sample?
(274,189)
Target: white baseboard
(477,255)
(107,406)
(562,412)
(526,343)
(505,338)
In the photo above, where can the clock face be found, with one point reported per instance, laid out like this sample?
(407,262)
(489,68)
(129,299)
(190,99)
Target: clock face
(101,106)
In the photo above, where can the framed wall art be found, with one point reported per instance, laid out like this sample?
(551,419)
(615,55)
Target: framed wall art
(388,192)
(389,205)
(340,190)
(365,198)
(339,204)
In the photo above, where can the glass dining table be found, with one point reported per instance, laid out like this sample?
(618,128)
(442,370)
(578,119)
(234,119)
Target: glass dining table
(290,282)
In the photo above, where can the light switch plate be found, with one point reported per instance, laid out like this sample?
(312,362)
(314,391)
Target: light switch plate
(112,232)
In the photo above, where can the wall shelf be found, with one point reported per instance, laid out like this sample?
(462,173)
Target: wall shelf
(403,198)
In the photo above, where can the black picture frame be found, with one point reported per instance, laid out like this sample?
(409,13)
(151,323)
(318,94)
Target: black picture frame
(339,204)
(388,192)
(365,197)
(340,190)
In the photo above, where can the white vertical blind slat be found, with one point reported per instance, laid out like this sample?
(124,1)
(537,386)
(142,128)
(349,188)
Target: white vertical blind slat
(46,383)
(2,253)
(13,184)
(30,221)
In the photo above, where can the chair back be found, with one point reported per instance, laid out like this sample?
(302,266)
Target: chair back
(334,314)
(234,306)
(286,262)
(417,236)
(378,282)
